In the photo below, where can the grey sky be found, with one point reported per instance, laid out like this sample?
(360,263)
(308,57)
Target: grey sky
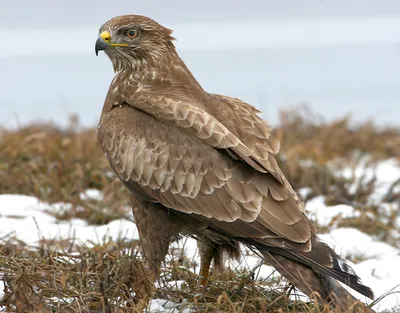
(53,13)
(340,56)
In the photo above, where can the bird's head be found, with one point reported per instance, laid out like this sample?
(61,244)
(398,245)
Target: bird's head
(134,40)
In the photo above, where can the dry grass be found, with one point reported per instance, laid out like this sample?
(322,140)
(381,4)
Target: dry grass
(314,151)
(107,278)
(306,138)
(58,165)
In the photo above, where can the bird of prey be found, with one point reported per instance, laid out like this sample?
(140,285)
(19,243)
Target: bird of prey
(204,165)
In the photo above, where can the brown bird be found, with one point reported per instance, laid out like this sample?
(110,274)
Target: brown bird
(204,164)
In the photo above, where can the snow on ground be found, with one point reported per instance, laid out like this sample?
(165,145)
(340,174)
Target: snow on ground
(161,305)
(386,173)
(322,215)
(27,219)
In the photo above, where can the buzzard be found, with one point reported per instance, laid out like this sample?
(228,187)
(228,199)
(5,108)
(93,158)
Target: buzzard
(204,165)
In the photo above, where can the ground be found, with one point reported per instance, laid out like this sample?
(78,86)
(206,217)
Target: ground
(68,242)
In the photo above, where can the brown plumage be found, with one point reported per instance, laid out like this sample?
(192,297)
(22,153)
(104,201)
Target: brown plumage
(204,164)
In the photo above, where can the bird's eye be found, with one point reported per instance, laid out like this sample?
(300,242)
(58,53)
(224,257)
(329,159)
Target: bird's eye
(132,33)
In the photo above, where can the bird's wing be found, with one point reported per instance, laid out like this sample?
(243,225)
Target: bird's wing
(243,121)
(222,123)
(181,168)
(197,120)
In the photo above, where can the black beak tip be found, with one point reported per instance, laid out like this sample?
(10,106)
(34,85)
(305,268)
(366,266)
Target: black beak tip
(100,45)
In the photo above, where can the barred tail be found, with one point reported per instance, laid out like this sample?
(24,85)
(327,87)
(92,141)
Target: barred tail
(314,282)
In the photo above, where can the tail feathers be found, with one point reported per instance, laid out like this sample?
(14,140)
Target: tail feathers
(310,281)
(323,260)
(353,282)
(343,299)
(338,270)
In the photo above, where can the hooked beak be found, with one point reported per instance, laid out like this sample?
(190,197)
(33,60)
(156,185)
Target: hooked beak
(104,41)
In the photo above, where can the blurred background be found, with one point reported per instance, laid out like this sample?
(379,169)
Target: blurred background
(338,56)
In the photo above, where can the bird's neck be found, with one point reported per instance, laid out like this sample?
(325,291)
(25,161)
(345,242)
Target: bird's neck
(144,72)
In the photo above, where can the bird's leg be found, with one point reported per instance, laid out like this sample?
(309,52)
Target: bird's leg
(156,228)
(207,251)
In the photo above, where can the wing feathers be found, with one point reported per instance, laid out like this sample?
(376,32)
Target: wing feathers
(187,175)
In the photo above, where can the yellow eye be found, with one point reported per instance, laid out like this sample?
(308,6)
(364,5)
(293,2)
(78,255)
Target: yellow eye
(132,33)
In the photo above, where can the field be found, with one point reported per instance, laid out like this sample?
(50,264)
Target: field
(68,242)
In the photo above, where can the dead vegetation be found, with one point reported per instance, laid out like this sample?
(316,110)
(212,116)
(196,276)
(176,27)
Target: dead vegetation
(314,152)
(58,165)
(110,277)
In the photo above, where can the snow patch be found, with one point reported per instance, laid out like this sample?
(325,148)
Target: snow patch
(2,286)
(166,306)
(354,244)
(91,194)
(25,218)
(323,214)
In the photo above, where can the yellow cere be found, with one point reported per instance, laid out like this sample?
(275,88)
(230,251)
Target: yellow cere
(107,38)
